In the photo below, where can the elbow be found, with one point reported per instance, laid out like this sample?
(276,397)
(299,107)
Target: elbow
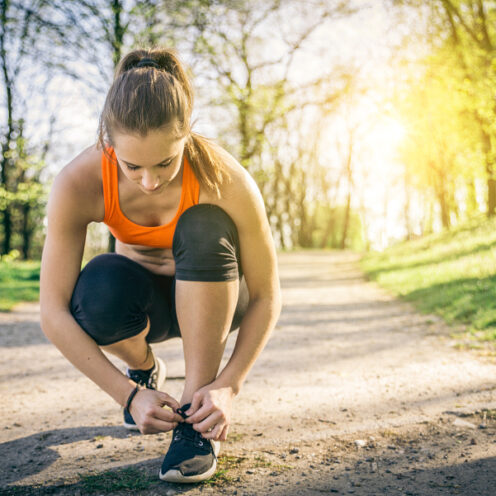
(277,302)
(272,301)
(45,323)
(48,321)
(278,309)
(277,298)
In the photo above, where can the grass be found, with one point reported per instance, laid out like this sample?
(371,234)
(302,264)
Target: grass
(224,464)
(451,274)
(128,479)
(19,281)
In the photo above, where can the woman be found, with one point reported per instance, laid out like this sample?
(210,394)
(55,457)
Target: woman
(194,258)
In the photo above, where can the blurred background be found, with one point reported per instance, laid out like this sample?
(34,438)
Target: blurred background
(368,125)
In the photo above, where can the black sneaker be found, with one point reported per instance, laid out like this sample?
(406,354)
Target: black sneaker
(152,379)
(191,457)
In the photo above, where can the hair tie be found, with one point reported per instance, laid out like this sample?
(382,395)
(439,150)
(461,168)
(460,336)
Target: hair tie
(147,62)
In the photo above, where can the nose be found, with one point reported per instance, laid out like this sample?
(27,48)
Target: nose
(149,181)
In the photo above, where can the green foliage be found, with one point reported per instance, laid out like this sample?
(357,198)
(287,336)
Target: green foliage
(25,197)
(447,104)
(441,152)
(19,281)
(452,274)
(328,228)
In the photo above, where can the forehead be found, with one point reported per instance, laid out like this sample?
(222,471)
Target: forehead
(148,150)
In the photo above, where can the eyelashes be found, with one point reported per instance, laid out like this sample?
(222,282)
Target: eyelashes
(132,168)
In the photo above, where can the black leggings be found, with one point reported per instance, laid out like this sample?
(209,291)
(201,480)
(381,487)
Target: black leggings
(114,296)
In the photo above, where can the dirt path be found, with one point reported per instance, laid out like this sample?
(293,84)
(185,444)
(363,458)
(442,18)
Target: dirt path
(355,394)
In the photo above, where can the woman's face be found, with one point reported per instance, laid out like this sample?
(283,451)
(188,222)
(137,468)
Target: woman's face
(152,162)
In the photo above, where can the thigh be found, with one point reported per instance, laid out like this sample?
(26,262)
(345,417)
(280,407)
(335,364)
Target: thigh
(114,296)
(161,309)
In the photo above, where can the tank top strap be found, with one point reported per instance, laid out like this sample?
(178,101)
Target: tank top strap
(129,232)
(109,183)
(191,185)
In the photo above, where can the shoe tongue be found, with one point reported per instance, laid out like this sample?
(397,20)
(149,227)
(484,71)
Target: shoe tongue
(183,409)
(186,431)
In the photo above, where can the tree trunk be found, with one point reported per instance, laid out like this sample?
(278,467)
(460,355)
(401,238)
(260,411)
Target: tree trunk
(26,231)
(117,41)
(5,160)
(302,211)
(328,230)
(346,221)
(406,207)
(491,182)
(471,203)
(349,176)
(445,210)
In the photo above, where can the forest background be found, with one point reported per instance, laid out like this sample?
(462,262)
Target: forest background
(363,122)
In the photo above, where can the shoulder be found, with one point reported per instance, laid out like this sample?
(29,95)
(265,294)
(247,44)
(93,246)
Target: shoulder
(79,183)
(239,184)
(241,197)
(243,202)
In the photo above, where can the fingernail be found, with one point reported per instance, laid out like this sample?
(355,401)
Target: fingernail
(188,412)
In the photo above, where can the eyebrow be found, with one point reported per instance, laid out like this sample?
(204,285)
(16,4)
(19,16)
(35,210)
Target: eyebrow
(160,163)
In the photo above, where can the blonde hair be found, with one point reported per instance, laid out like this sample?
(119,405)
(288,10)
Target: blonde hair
(146,98)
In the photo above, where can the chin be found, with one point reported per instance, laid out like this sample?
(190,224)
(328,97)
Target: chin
(152,192)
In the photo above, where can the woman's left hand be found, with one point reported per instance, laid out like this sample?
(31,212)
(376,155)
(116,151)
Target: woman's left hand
(210,411)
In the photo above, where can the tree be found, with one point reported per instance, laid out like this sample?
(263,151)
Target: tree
(17,31)
(89,32)
(463,38)
(258,95)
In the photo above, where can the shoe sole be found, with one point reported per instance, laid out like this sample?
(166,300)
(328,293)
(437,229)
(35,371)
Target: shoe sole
(177,476)
(160,383)
(130,427)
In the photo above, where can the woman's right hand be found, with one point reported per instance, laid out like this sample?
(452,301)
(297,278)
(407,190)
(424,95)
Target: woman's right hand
(149,414)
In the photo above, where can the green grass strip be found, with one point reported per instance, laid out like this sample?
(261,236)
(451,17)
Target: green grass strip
(451,274)
(19,281)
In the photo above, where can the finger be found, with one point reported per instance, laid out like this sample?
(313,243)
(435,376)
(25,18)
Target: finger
(195,404)
(168,400)
(167,415)
(214,433)
(154,426)
(209,423)
(201,414)
(223,436)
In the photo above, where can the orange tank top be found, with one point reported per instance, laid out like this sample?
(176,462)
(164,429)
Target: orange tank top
(129,232)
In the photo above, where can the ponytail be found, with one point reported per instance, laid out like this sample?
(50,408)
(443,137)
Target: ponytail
(206,162)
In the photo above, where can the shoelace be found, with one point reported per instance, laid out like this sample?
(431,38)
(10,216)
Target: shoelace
(186,431)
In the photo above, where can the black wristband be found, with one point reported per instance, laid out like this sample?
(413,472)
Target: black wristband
(131,396)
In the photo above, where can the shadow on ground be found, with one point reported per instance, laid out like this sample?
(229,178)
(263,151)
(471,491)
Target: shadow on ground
(30,455)
(428,459)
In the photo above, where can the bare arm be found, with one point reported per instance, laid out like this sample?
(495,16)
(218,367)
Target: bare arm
(70,210)
(211,404)
(259,262)
(68,218)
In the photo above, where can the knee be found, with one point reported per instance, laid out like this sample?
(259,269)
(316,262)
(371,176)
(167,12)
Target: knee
(206,245)
(108,297)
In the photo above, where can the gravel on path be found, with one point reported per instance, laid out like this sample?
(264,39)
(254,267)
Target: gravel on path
(355,393)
